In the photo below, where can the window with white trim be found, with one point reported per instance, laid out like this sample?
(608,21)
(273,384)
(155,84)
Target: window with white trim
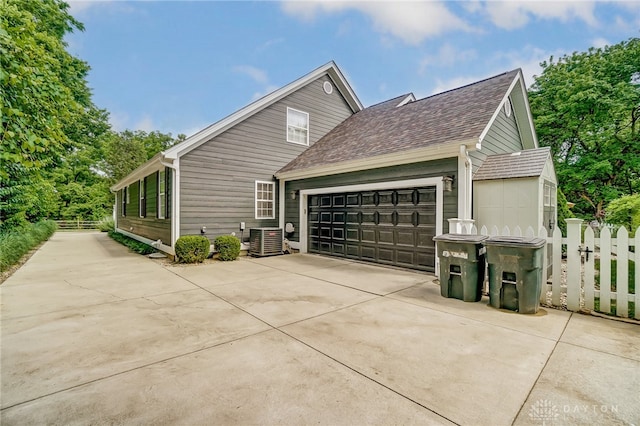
(142,202)
(297,126)
(547,194)
(162,195)
(125,197)
(265,200)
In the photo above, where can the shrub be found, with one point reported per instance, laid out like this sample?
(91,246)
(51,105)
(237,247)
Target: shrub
(107,224)
(17,242)
(228,247)
(134,245)
(192,249)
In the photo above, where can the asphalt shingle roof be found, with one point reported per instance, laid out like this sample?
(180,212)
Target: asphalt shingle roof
(527,163)
(456,115)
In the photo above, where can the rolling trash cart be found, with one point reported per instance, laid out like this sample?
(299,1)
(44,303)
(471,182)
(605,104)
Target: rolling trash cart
(515,273)
(462,266)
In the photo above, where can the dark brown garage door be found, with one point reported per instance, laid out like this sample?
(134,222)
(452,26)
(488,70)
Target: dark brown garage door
(394,227)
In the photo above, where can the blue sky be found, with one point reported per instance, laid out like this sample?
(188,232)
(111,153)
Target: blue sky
(178,66)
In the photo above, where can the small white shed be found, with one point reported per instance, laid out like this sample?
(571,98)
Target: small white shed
(516,189)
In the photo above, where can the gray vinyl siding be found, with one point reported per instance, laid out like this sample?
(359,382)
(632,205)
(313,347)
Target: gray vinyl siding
(217,179)
(150,226)
(502,137)
(427,169)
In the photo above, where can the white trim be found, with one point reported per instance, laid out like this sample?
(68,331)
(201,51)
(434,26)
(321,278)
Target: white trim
(498,110)
(160,211)
(163,247)
(430,153)
(281,203)
(525,103)
(206,134)
(273,199)
(409,183)
(175,202)
(144,170)
(410,98)
(465,183)
(306,142)
(142,197)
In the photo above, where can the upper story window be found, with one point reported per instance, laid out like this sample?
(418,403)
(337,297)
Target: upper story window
(265,200)
(297,126)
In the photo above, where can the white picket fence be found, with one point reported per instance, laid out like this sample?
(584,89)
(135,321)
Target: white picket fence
(578,284)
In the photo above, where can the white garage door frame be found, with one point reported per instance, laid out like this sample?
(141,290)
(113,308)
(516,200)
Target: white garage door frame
(377,186)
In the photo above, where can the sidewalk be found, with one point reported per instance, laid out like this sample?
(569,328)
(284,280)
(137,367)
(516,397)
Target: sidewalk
(90,333)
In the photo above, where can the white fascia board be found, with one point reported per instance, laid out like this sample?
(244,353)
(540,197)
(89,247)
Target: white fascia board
(410,98)
(405,157)
(525,97)
(497,111)
(522,102)
(153,165)
(226,123)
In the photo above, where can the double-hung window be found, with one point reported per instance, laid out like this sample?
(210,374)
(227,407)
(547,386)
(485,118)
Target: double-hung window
(162,195)
(265,200)
(297,126)
(142,198)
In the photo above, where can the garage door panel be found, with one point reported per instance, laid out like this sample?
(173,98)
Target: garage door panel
(385,236)
(393,227)
(368,235)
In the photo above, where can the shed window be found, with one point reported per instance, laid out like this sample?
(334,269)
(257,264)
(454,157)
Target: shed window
(547,194)
(162,195)
(297,126)
(142,198)
(265,200)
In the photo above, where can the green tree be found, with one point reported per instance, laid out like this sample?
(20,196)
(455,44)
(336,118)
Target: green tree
(625,211)
(586,107)
(124,151)
(46,110)
(563,212)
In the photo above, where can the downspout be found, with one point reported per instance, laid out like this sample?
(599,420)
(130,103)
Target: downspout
(465,168)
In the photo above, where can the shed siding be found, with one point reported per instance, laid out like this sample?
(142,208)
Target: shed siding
(502,137)
(427,169)
(150,226)
(217,179)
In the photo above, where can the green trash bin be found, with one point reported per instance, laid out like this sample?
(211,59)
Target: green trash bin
(515,273)
(462,266)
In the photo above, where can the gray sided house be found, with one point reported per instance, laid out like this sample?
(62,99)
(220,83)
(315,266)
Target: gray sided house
(223,176)
(374,184)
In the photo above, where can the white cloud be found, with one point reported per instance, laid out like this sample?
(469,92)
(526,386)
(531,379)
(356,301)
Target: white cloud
(528,59)
(270,88)
(145,123)
(256,74)
(600,42)
(82,7)
(510,15)
(447,56)
(412,22)
(119,121)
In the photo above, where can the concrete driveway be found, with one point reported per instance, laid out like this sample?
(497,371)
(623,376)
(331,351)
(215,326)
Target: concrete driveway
(92,334)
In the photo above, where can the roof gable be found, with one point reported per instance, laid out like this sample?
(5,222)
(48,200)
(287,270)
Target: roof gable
(166,157)
(521,164)
(330,69)
(459,116)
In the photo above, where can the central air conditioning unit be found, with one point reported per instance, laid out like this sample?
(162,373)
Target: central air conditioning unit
(265,241)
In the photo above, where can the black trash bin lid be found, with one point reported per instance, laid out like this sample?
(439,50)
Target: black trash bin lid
(528,242)
(461,238)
